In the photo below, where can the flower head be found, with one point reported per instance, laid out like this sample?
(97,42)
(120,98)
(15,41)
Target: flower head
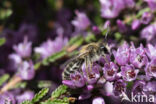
(119,87)
(129,73)
(50,47)
(98,100)
(122,54)
(81,22)
(23,49)
(151,51)
(77,80)
(138,57)
(110,71)
(27,95)
(151,68)
(138,86)
(7,98)
(146,18)
(26,70)
(91,75)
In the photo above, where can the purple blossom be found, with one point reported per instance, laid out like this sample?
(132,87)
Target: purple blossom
(107,89)
(96,29)
(91,75)
(7,98)
(81,22)
(26,70)
(138,57)
(98,100)
(151,68)
(151,4)
(16,59)
(129,73)
(77,80)
(23,49)
(122,27)
(150,87)
(146,18)
(110,71)
(27,95)
(149,32)
(151,51)
(111,8)
(119,87)
(135,24)
(50,47)
(138,87)
(122,54)
(84,96)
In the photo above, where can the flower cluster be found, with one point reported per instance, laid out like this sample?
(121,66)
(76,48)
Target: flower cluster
(111,77)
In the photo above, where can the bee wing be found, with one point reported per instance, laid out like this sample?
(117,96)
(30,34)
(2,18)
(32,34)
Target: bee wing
(68,61)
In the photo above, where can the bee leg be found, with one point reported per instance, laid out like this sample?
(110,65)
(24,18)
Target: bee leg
(104,56)
(87,62)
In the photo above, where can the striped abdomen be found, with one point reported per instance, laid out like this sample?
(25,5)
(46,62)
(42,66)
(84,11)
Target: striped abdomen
(73,66)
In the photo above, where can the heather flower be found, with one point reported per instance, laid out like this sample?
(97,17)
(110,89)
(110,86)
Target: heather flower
(91,75)
(129,3)
(23,49)
(129,73)
(84,96)
(151,51)
(106,24)
(110,71)
(138,57)
(122,54)
(107,89)
(121,26)
(135,24)
(150,87)
(98,100)
(77,80)
(149,32)
(151,4)
(111,9)
(151,68)
(16,59)
(50,47)
(7,98)
(146,18)
(96,29)
(119,87)
(26,70)
(81,22)
(138,87)
(27,95)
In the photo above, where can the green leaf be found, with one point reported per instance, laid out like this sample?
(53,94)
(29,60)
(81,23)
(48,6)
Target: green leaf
(129,85)
(26,102)
(5,13)
(43,84)
(90,38)
(142,11)
(56,56)
(2,41)
(74,40)
(4,78)
(37,65)
(59,91)
(40,95)
(118,36)
(57,101)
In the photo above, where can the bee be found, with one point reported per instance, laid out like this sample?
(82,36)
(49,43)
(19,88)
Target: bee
(88,54)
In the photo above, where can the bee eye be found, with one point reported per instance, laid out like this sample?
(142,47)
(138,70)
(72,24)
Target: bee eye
(104,49)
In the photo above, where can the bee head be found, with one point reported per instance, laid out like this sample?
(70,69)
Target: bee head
(104,48)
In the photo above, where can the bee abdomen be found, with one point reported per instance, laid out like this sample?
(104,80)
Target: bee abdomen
(71,68)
